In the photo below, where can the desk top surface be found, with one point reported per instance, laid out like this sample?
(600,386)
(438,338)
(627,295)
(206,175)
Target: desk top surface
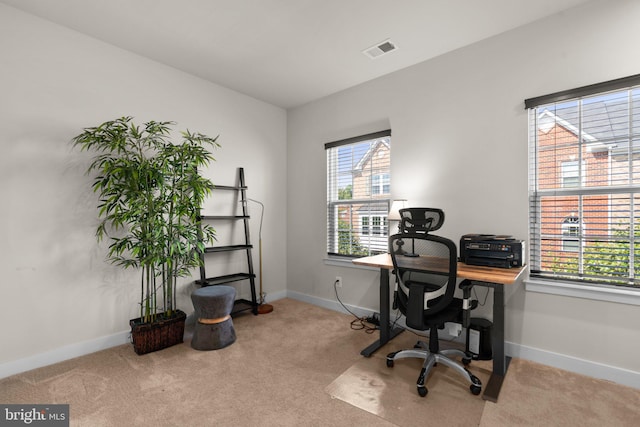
(505,276)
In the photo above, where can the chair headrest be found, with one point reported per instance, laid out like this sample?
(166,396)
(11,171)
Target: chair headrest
(420,220)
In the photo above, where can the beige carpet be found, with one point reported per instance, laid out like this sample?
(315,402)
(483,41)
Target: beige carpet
(391,392)
(280,372)
(273,375)
(538,395)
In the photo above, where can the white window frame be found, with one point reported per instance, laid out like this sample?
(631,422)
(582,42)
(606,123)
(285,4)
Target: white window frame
(362,238)
(595,291)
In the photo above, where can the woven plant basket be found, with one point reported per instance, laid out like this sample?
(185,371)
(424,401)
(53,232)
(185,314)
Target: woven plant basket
(163,333)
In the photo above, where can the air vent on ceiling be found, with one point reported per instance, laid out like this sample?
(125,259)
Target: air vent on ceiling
(380,49)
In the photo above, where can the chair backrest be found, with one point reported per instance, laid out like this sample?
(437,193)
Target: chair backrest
(425,266)
(420,220)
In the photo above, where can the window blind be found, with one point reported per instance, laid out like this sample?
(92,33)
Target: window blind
(358,194)
(584,184)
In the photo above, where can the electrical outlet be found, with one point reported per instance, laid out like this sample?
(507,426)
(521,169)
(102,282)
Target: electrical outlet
(338,281)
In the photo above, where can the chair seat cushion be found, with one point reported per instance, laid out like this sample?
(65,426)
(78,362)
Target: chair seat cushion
(453,313)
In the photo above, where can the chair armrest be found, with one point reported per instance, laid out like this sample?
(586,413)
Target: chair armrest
(467,303)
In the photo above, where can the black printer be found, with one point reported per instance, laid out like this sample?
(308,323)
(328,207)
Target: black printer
(491,250)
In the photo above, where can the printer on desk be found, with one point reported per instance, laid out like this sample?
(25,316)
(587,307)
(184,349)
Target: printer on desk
(491,250)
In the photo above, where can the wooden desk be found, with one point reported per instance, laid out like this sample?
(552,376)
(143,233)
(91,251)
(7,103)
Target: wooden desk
(490,277)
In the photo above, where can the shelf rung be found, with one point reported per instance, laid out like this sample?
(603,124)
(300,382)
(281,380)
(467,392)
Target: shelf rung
(228,187)
(241,305)
(220,280)
(211,217)
(227,248)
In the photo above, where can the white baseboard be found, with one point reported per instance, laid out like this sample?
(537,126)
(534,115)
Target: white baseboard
(561,361)
(275,296)
(63,353)
(82,348)
(330,304)
(574,364)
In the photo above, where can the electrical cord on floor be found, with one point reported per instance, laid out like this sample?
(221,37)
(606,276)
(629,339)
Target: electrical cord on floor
(359,323)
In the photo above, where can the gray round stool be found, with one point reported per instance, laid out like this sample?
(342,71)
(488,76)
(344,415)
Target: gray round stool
(214,326)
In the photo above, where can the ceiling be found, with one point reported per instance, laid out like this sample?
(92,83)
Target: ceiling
(290,52)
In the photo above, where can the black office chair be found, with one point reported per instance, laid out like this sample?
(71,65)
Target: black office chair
(425,296)
(420,220)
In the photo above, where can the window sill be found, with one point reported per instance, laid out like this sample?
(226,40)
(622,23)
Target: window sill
(346,262)
(593,292)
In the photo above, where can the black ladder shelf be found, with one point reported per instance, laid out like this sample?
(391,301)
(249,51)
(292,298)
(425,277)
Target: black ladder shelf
(240,304)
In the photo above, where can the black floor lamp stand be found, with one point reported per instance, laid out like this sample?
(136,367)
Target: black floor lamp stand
(262,307)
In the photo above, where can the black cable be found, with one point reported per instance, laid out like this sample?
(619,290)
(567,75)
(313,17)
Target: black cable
(475,293)
(359,323)
(398,316)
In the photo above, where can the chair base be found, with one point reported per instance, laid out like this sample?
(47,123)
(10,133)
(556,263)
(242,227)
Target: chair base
(430,359)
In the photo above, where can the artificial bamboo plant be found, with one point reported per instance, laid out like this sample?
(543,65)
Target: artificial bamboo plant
(150,193)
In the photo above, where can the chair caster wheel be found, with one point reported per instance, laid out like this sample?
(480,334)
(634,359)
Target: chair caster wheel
(389,363)
(422,391)
(466,361)
(475,389)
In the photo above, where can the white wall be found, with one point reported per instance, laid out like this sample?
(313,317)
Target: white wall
(459,142)
(59,297)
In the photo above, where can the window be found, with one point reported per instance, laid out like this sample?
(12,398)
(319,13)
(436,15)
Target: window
(380,184)
(378,225)
(365,225)
(571,174)
(584,168)
(358,194)
(571,234)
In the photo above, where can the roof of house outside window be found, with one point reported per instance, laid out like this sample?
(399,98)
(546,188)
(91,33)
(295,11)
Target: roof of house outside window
(372,149)
(607,124)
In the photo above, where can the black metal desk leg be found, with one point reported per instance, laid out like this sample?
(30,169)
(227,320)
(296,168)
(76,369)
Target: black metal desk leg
(500,359)
(384,306)
(499,362)
(386,333)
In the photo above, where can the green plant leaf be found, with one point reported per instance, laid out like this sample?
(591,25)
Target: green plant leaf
(150,192)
